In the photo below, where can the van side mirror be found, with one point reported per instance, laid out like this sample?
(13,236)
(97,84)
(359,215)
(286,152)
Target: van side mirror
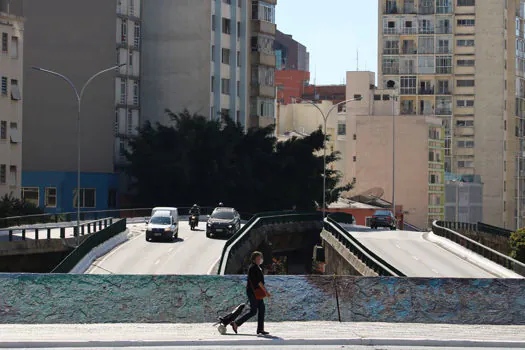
(146,220)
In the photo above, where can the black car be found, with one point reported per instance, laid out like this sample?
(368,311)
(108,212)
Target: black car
(383,218)
(223,222)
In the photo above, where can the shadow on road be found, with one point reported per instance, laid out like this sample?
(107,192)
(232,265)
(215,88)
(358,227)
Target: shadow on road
(178,240)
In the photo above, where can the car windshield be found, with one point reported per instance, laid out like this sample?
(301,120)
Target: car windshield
(382,213)
(161,220)
(225,215)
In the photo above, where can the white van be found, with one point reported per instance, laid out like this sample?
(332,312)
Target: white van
(164,223)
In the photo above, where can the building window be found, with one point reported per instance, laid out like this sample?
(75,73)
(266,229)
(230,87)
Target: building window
(4,86)
(124,31)
(136,93)
(212,83)
(354,158)
(238,88)
(229,2)
(466,22)
(3,174)
(238,58)
(466,2)
(14,134)
(225,86)
(123,91)
(213,53)
(465,83)
(50,197)
(238,30)
(132,7)
(14,47)
(15,90)
(4,43)
(212,22)
(225,56)
(465,164)
(130,122)
(226,25)
(341,129)
(408,85)
(465,42)
(31,195)
(87,197)
(263,43)
(263,11)
(466,63)
(136,38)
(465,144)
(464,123)
(444,64)
(434,179)
(225,113)
(13,175)
(130,59)
(3,130)
(443,46)
(465,103)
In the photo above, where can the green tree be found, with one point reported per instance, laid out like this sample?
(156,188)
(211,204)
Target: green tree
(203,161)
(517,245)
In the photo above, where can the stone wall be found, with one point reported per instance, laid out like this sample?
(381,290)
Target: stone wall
(34,299)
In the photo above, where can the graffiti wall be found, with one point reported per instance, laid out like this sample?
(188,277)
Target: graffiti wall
(67,298)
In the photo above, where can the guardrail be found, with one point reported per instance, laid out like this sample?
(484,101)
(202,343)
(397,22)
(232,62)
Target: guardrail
(369,258)
(410,227)
(257,221)
(47,232)
(479,227)
(439,229)
(95,215)
(86,246)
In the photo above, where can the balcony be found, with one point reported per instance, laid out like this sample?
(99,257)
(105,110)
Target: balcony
(443,30)
(443,70)
(263,27)
(262,90)
(390,70)
(390,31)
(391,11)
(411,50)
(391,51)
(443,111)
(264,59)
(409,9)
(409,31)
(444,92)
(426,91)
(424,10)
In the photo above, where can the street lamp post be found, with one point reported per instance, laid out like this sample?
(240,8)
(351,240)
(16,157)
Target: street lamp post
(393,97)
(325,120)
(78,96)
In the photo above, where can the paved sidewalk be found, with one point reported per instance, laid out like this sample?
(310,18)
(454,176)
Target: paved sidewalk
(283,334)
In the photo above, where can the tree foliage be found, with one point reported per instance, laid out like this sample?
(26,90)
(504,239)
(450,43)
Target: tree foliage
(206,162)
(517,245)
(11,206)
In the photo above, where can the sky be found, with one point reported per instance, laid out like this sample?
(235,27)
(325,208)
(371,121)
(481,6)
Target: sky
(332,31)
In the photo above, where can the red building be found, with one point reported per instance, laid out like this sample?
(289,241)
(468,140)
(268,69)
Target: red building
(290,83)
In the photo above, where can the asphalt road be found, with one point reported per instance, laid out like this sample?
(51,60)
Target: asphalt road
(415,256)
(191,254)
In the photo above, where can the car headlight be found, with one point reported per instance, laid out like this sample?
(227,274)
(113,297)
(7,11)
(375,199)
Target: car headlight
(167,229)
(209,225)
(230,226)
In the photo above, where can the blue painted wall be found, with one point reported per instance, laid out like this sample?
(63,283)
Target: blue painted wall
(66,182)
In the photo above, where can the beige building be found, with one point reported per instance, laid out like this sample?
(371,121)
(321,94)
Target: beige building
(464,61)
(362,131)
(11,78)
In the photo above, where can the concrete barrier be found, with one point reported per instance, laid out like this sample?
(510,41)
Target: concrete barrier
(66,298)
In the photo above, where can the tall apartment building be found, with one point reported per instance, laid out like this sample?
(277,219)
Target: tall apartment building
(77,39)
(11,79)
(291,54)
(464,61)
(210,57)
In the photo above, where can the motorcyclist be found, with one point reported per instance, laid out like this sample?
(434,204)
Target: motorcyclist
(195,211)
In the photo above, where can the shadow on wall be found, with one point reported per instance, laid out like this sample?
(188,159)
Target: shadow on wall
(50,299)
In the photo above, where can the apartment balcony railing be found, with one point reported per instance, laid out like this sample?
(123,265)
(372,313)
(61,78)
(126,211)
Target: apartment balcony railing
(409,51)
(444,10)
(427,111)
(390,31)
(426,91)
(426,10)
(443,111)
(408,111)
(390,70)
(409,9)
(443,30)
(409,30)
(408,70)
(444,50)
(408,91)
(444,92)
(444,70)
(391,11)
(391,51)
(426,30)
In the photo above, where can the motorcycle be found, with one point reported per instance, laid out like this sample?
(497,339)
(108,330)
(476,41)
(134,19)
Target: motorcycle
(194,221)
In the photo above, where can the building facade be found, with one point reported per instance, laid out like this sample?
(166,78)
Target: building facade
(290,84)
(292,54)
(84,38)
(11,78)
(223,64)
(463,198)
(363,134)
(464,61)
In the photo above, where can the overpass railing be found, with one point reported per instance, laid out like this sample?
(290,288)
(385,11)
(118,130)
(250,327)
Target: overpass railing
(358,249)
(479,227)
(438,227)
(89,244)
(257,221)
(56,232)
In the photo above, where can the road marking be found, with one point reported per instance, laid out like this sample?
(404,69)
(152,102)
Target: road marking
(415,258)
(213,265)
(170,250)
(435,271)
(397,245)
(111,253)
(157,262)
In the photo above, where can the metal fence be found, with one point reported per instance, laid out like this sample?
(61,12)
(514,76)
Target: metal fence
(439,228)
(479,227)
(365,255)
(89,244)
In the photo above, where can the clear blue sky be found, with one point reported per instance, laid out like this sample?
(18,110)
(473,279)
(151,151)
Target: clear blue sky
(332,31)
